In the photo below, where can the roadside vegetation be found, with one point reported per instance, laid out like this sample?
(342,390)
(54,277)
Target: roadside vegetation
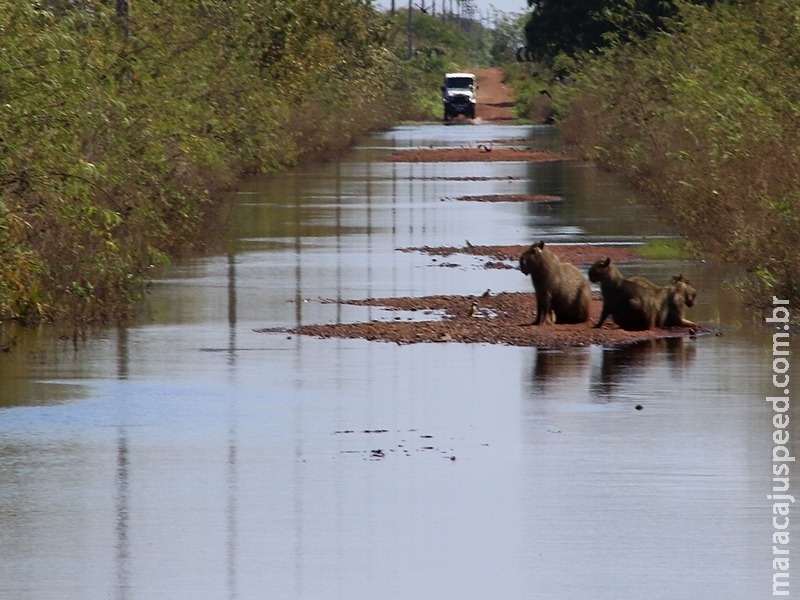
(120,132)
(700,111)
(122,125)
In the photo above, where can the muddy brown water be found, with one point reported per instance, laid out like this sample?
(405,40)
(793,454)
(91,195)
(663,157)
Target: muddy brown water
(188,456)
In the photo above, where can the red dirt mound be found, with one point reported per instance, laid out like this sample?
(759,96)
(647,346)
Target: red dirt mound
(478,154)
(491,318)
(542,198)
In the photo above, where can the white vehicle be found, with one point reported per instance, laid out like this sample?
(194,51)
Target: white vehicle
(458,95)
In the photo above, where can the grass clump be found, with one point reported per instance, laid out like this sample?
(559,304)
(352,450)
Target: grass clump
(665,249)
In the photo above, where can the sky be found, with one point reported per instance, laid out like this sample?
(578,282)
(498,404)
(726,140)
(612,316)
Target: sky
(485,7)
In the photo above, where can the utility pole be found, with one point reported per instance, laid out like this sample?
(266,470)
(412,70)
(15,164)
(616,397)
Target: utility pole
(122,15)
(409,29)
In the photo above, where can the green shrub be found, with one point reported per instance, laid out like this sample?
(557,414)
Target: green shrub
(117,135)
(705,122)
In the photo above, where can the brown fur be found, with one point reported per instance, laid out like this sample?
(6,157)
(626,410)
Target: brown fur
(676,296)
(633,302)
(636,303)
(562,293)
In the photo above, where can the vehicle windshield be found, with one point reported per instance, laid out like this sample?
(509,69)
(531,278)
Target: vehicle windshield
(459,82)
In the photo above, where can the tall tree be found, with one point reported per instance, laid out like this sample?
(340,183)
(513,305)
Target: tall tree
(556,26)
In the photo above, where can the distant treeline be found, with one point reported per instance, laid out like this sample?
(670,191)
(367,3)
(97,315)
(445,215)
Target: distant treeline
(117,132)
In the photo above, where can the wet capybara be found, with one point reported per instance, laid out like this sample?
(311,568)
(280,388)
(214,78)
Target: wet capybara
(562,292)
(676,296)
(633,302)
(636,303)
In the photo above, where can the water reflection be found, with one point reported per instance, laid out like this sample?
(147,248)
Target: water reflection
(555,367)
(231,545)
(624,364)
(608,372)
(231,309)
(232,479)
(189,456)
(122,479)
(122,509)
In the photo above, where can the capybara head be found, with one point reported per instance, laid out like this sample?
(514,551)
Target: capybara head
(684,289)
(600,270)
(531,258)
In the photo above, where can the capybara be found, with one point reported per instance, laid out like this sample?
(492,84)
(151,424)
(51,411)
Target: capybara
(633,302)
(676,296)
(636,303)
(562,292)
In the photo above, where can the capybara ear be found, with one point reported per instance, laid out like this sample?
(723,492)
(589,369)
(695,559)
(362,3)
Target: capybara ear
(540,245)
(607,261)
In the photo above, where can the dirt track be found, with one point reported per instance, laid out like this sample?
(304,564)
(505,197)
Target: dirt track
(494,97)
(483,153)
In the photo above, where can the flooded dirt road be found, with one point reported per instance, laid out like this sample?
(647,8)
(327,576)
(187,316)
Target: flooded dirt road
(192,456)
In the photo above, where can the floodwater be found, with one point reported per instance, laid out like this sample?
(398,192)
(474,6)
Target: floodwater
(188,456)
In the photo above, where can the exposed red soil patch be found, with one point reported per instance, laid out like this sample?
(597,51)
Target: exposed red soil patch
(494,96)
(543,198)
(473,178)
(476,155)
(578,254)
(502,318)
(496,319)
